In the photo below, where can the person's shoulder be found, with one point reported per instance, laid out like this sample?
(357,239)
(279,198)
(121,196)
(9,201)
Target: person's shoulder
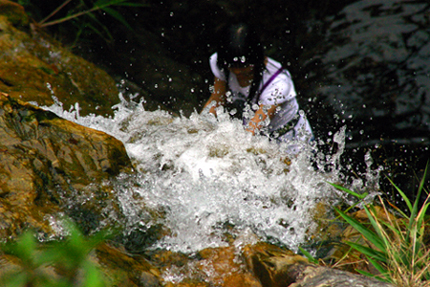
(281,87)
(213,61)
(213,57)
(272,63)
(274,67)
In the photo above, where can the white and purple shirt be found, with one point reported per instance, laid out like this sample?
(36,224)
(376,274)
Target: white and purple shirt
(276,88)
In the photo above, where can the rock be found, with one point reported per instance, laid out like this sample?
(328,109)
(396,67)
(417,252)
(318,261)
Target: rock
(277,267)
(14,13)
(125,270)
(253,265)
(271,264)
(316,276)
(36,68)
(49,165)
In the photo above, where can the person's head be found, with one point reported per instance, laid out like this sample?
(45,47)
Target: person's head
(239,46)
(241,52)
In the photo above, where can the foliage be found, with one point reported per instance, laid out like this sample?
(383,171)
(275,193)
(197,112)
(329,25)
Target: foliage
(395,245)
(91,21)
(69,258)
(98,5)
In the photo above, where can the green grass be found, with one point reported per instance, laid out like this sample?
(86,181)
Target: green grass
(395,242)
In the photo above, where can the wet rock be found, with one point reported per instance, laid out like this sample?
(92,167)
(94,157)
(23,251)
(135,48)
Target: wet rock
(271,264)
(35,68)
(254,265)
(316,276)
(50,165)
(276,267)
(127,270)
(222,266)
(14,13)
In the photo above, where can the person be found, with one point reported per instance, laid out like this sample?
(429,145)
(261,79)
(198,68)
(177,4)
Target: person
(255,88)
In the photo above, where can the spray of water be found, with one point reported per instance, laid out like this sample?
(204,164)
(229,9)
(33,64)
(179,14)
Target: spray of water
(206,176)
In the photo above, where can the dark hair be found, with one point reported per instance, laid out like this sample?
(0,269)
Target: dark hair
(239,45)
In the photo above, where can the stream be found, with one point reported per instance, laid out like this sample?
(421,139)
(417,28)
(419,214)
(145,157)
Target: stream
(207,176)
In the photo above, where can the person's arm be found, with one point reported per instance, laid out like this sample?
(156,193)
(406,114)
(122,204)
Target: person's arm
(260,115)
(218,95)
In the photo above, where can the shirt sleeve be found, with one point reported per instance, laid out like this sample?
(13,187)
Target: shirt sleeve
(214,67)
(279,91)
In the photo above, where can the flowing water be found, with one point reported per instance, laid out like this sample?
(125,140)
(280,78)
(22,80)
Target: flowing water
(207,176)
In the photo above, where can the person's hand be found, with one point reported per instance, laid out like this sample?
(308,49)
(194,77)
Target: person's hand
(252,127)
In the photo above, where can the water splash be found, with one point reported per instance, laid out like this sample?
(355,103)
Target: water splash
(207,176)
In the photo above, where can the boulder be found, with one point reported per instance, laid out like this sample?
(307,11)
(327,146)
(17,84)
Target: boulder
(49,165)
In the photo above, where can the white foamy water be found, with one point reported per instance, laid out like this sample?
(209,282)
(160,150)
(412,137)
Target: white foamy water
(208,176)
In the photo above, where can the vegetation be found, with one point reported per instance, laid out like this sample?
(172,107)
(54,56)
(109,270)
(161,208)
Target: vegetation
(56,264)
(394,242)
(86,12)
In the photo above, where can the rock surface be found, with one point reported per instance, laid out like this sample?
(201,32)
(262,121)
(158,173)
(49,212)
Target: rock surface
(46,162)
(254,265)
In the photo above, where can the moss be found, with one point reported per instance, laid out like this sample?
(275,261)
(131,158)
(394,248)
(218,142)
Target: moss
(14,13)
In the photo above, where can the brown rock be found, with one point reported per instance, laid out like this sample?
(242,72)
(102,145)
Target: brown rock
(271,264)
(126,270)
(316,276)
(46,161)
(14,13)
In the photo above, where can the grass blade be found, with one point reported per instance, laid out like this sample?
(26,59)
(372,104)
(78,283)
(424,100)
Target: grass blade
(369,252)
(115,14)
(405,198)
(368,234)
(355,194)
(309,256)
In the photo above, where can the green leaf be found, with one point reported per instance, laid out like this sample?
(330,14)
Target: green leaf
(405,198)
(369,252)
(368,274)
(106,35)
(93,277)
(357,195)
(309,256)
(117,16)
(133,4)
(366,232)
(104,3)
(377,227)
(378,266)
